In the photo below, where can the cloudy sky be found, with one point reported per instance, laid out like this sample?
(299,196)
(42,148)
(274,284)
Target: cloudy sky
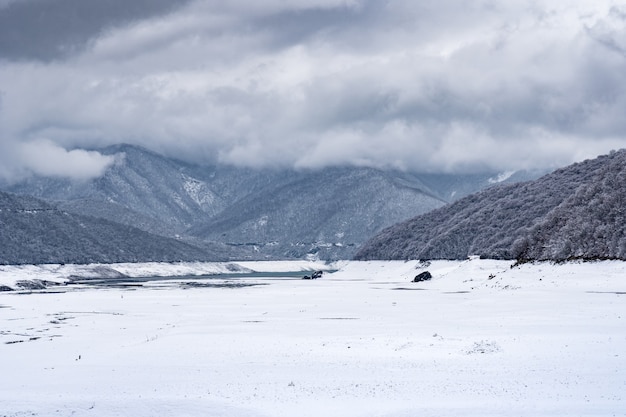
(436,86)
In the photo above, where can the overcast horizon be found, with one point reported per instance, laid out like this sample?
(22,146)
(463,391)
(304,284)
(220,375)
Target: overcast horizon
(451,86)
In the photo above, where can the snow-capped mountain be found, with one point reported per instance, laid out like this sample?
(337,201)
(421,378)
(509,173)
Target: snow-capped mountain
(262,213)
(575,212)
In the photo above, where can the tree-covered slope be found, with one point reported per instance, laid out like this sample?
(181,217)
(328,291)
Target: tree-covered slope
(34,232)
(574,212)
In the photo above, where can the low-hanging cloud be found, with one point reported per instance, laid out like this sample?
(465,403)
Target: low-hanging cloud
(49,160)
(44,158)
(447,86)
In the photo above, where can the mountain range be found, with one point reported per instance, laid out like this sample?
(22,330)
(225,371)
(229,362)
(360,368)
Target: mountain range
(244,213)
(577,212)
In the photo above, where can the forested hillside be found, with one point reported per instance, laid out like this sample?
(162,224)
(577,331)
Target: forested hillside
(34,232)
(574,212)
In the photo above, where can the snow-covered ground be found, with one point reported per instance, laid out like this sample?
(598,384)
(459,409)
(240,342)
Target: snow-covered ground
(479,339)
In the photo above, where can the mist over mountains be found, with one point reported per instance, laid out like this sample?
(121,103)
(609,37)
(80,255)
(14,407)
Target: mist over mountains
(244,213)
(577,212)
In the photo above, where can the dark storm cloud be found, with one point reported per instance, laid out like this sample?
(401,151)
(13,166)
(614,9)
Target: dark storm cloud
(435,86)
(51,29)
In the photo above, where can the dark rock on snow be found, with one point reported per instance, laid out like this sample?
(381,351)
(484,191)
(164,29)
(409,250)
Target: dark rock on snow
(315,275)
(424,276)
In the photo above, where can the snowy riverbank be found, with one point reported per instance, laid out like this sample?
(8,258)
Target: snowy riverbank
(479,339)
(12,275)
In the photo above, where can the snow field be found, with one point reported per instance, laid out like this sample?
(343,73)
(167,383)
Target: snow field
(480,339)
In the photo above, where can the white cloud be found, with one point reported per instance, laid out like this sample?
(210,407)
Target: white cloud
(47,159)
